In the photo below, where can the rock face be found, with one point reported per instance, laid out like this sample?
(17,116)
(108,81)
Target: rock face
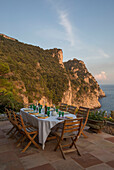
(83,88)
(59,55)
(22,90)
(5,36)
(67,96)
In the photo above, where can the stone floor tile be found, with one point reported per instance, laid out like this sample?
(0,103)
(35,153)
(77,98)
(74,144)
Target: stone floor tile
(100,167)
(85,145)
(1,133)
(8,156)
(12,165)
(104,135)
(52,155)
(28,152)
(4,123)
(83,142)
(6,147)
(4,141)
(103,155)
(33,160)
(103,144)
(94,138)
(111,163)
(68,164)
(2,136)
(43,167)
(111,139)
(87,160)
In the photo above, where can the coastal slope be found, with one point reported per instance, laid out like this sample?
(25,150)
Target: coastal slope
(29,73)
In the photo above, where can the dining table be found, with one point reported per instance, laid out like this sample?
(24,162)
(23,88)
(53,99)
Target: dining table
(43,124)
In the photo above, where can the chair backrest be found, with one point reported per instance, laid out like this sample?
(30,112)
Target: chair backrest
(18,120)
(83,112)
(10,116)
(23,124)
(72,125)
(72,109)
(63,107)
(7,113)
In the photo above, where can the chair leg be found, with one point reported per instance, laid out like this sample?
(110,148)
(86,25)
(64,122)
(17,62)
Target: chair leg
(31,141)
(37,146)
(58,140)
(62,151)
(19,139)
(26,147)
(73,143)
(85,136)
(13,133)
(10,130)
(24,137)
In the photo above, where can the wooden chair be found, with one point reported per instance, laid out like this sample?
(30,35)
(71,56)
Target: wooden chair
(83,112)
(63,107)
(11,118)
(20,128)
(71,129)
(72,109)
(30,133)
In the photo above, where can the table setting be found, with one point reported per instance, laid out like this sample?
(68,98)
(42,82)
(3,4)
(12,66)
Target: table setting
(44,119)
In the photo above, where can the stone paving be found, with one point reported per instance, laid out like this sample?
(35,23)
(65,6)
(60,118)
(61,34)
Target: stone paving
(97,152)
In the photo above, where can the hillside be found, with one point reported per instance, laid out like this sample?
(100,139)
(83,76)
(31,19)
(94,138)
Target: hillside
(29,73)
(85,89)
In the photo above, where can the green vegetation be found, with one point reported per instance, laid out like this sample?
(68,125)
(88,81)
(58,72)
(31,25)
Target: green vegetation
(97,115)
(40,73)
(4,68)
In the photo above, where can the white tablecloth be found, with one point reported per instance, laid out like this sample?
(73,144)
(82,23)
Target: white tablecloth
(44,125)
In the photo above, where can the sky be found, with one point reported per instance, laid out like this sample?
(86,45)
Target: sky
(83,29)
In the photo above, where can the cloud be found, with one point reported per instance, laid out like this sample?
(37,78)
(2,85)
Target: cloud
(103,54)
(64,18)
(64,21)
(101,76)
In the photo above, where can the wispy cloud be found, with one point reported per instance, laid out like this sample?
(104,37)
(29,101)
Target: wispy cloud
(64,21)
(103,54)
(101,76)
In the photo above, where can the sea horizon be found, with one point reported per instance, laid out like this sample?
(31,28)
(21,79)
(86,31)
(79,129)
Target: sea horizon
(107,102)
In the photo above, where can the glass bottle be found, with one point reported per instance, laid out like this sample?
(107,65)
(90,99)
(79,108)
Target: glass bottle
(45,109)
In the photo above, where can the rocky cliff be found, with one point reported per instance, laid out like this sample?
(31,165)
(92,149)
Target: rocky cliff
(83,88)
(29,73)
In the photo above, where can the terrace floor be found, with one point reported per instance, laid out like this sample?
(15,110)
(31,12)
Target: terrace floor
(97,154)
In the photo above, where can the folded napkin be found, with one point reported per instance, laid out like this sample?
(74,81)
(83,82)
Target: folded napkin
(34,114)
(28,110)
(69,117)
(42,117)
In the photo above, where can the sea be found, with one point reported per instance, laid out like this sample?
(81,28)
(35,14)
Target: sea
(107,103)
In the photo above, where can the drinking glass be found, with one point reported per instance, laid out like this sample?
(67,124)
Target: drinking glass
(34,107)
(56,110)
(40,110)
(59,114)
(48,108)
(48,113)
(62,114)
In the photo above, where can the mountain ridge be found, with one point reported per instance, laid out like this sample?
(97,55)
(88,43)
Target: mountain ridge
(37,74)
